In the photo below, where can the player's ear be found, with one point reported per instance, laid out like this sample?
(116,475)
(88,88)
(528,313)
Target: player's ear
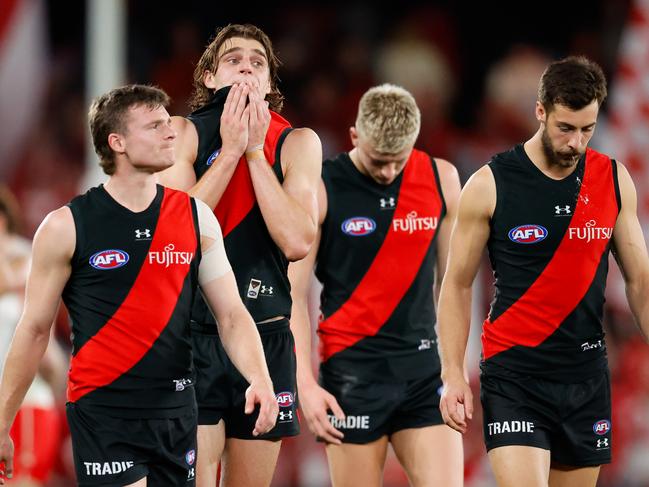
(353,135)
(209,79)
(117,143)
(540,112)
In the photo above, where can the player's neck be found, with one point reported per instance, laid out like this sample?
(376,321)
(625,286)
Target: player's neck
(353,156)
(134,191)
(534,150)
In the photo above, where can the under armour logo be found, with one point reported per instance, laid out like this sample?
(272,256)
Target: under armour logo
(267,290)
(286,416)
(602,443)
(562,210)
(146,233)
(387,203)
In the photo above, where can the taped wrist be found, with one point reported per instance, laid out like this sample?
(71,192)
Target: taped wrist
(255,153)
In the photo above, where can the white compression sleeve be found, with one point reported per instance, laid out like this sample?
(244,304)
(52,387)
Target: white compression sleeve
(214,263)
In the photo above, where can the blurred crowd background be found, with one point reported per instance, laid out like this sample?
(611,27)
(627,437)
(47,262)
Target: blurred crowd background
(473,68)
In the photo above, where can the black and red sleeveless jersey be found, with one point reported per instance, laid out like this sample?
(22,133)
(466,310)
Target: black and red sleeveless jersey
(260,267)
(129,297)
(376,262)
(549,248)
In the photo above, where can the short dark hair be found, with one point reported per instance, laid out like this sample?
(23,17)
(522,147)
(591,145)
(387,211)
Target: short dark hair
(209,62)
(574,82)
(107,115)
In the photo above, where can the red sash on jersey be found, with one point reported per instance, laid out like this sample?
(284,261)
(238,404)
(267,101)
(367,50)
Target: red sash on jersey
(569,274)
(239,196)
(395,265)
(130,333)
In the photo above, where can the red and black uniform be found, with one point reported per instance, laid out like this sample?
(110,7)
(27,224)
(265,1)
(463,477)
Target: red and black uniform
(376,262)
(129,296)
(261,271)
(549,247)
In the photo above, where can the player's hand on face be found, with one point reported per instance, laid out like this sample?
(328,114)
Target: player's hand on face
(314,403)
(235,120)
(263,395)
(6,458)
(259,119)
(456,404)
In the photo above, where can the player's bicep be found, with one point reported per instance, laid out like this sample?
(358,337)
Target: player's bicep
(181,175)
(629,247)
(471,229)
(50,269)
(450,182)
(302,152)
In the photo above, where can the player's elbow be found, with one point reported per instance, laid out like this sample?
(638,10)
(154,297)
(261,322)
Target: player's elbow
(295,251)
(296,247)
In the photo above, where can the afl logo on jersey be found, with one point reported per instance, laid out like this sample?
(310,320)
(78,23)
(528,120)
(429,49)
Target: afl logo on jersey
(285,399)
(602,427)
(109,259)
(190,457)
(358,226)
(528,234)
(214,155)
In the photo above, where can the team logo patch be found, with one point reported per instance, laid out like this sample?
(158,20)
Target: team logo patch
(190,457)
(602,427)
(285,399)
(358,226)
(253,288)
(109,259)
(213,157)
(528,234)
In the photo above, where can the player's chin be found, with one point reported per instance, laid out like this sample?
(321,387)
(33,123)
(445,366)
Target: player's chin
(165,163)
(156,167)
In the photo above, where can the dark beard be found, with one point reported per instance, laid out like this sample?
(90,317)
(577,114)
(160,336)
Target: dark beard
(564,160)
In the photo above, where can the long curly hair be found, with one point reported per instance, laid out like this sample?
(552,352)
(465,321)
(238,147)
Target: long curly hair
(209,62)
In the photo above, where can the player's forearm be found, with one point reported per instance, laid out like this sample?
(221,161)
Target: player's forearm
(27,348)
(301,329)
(637,294)
(289,224)
(242,343)
(454,320)
(211,186)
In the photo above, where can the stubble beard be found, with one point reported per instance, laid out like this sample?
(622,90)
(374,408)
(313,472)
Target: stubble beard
(564,160)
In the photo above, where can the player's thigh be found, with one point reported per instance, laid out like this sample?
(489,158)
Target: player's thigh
(519,411)
(516,466)
(139,483)
(431,456)
(212,368)
(108,450)
(249,463)
(357,464)
(583,437)
(211,441)
(174,456)
(563,476)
